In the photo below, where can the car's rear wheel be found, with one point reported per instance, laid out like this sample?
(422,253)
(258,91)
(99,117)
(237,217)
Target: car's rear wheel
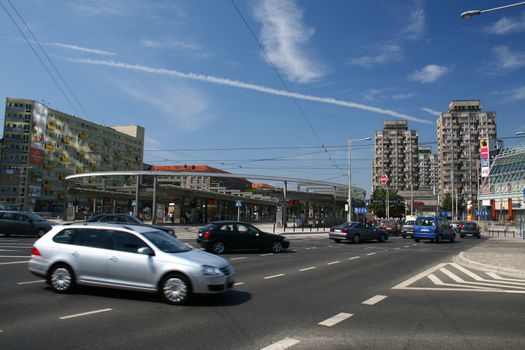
(276,247)
(382,238)
(337,240)
(438,238)
(218,247)
(404,236)
(61,278)
(356,239)
(175,289)
(452,238)
(40,232)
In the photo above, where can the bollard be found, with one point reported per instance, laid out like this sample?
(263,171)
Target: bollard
(273,228)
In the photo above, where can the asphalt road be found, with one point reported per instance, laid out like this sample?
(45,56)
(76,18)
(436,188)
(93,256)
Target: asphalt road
(317,295)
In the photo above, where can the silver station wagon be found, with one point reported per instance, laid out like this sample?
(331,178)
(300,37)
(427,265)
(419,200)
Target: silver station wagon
(127,257)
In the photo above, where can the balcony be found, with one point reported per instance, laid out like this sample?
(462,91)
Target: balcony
(50,127)
(50,146)
(82,136)
(66,140)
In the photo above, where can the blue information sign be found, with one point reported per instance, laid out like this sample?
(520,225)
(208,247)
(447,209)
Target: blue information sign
(360,210)
(238,203)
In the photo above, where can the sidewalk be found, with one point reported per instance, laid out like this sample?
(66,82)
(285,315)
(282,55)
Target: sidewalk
(504,256)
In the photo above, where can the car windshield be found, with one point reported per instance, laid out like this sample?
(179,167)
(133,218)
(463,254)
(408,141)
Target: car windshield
(411,222)
(35,217)
(425,222)
(165,242)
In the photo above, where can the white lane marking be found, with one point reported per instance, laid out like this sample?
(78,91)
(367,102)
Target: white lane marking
(406,246)
(374,300)
(239,284)
(411,280)
(333,262)
(14,262)
(282,344)
(85,314)
(266,254)
(371,254)
(15,256)
(335,320)
(485,283)
(493,275)
(415,244)
(8,250)
(354,257)
(439,282)
(240,258)
(307,268)
(397,248)
(274,276)
(31,282)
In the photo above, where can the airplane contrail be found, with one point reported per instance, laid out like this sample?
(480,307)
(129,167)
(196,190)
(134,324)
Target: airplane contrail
(248,86)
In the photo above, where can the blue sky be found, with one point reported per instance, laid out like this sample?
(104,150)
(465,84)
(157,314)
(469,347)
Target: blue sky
(192,73)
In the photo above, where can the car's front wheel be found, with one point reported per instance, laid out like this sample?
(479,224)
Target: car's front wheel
(276,247)
(218,247)
(356,239)
(337,240)
(416,240)
(452,238)
(175,289)
(382,238)
(61,278)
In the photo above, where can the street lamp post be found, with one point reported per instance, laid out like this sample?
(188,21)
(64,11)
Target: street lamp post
(349,216)
(472,13)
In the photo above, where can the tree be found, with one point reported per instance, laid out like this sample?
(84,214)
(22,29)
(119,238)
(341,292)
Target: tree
(378,203)
(447,202)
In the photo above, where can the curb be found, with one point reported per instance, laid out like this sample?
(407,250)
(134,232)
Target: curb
(509,272)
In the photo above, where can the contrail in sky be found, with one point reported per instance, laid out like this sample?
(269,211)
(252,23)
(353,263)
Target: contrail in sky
(248,86)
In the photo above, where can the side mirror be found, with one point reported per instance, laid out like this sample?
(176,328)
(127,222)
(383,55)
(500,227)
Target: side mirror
(146,251)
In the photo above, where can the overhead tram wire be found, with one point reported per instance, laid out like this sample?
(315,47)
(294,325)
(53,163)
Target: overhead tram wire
(301,111)
(50,61)
(39,58)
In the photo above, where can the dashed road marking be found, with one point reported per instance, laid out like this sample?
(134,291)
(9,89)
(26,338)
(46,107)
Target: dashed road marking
(374,300)
(274,276)
(84,314)
(406,246)
(266,254)
(14,262)
(239,284)
(282,344)
(336,319)
(333,262)
(354,257)
(307,268)
(31,282)
(371,254)
(240,258)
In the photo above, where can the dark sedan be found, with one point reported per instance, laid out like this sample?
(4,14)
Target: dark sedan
(469,228)
(356,232)
(129,220)
(220,236)
(23,223)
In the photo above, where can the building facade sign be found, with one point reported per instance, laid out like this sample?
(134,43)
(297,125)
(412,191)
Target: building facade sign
(38,133)
(484,150)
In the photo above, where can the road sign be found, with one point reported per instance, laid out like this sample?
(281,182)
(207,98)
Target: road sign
(362,210)
(481,213)
(133,203)
(238,203)
(384,179)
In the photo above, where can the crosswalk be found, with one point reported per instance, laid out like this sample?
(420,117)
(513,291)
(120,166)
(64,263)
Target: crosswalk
(456,278)
(14,251)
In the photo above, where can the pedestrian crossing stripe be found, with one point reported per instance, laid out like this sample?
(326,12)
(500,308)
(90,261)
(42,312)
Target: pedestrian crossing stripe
(460,279)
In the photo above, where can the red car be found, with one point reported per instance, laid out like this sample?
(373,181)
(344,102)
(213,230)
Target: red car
(391,227)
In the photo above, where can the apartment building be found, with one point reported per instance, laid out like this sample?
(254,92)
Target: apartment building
(427,169)
(396,155)
(459,133)
(41,146)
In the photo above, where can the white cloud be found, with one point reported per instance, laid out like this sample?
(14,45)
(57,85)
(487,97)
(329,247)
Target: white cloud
(507,25)
(401,96)
(416,25)
(506,60)
(429,74)
(517,94)
(386,95)
(431,111)
(386,54)
(247,86)
(82,49)
(180,106)
(284,37)
(168,44)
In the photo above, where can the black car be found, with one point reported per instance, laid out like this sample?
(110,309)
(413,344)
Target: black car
(469,228)
(356,232)
(127,219)
(23,223)
(220,236)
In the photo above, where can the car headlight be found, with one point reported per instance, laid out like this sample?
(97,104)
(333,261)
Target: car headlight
(211,271)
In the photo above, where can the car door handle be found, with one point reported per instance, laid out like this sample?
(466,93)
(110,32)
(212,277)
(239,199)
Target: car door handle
(75,254)
(114,259)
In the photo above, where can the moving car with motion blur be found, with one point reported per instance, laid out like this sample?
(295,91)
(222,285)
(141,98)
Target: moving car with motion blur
(221,236)
(126,219)
(127,257)
(391,227)
(433,228)
(356,232)
(469,228)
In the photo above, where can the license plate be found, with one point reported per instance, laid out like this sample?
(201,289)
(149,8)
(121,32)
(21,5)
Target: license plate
(338,231)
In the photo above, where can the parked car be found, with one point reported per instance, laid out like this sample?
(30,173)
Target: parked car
(356,232)
(127,219)
(221,236)
(469,228)
(391,227)
(129,257)
(433,228)
(23,223)
(407,230)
